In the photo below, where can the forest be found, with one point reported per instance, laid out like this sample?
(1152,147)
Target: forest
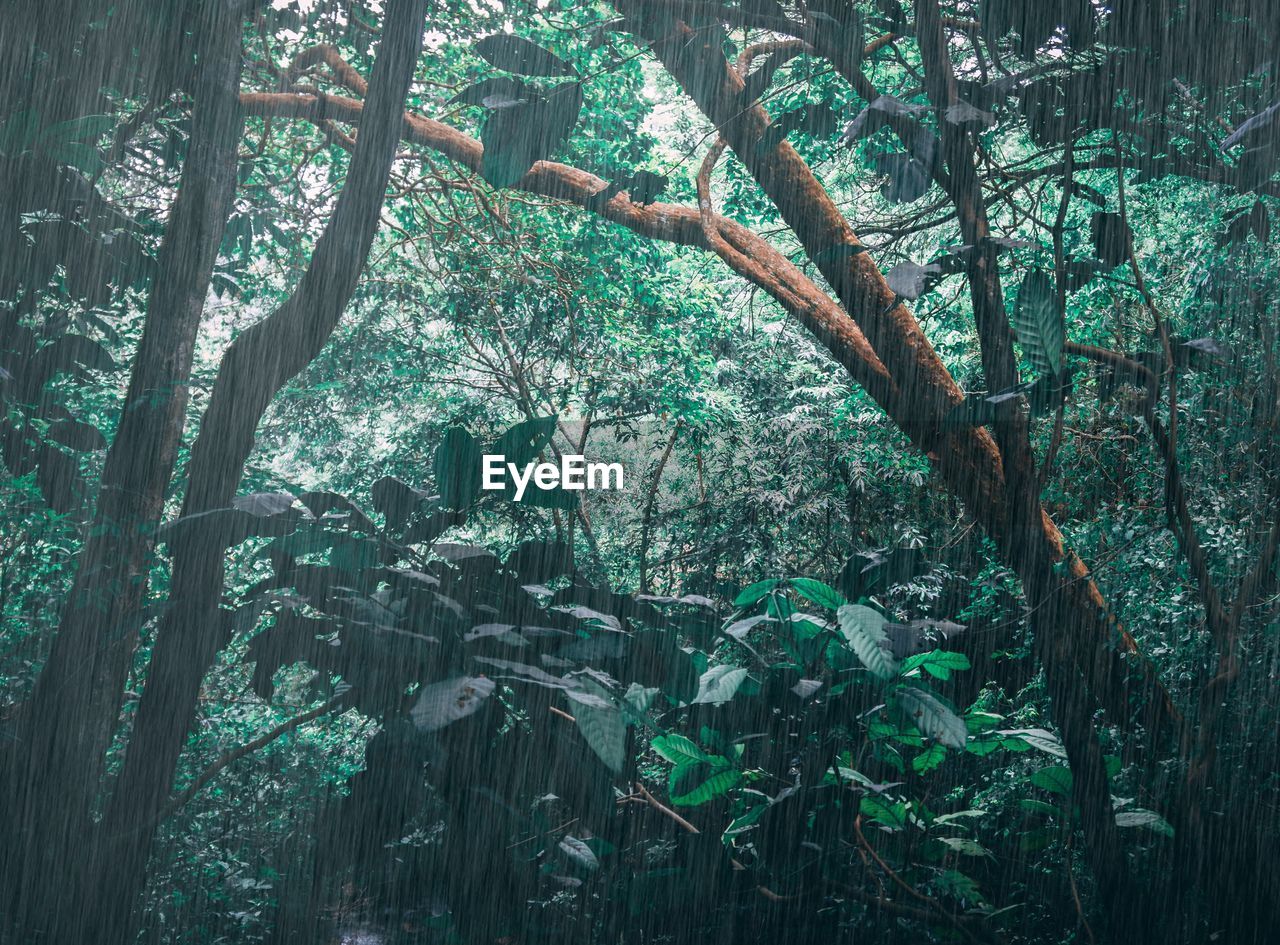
(933,343)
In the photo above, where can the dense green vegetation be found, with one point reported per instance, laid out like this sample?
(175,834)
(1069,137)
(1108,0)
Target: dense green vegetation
(937,341)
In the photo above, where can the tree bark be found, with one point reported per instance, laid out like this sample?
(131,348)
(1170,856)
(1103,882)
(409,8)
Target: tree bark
(256,365)
(72,715)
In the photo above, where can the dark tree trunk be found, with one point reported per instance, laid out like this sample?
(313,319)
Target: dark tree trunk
(72,715)
(257,364)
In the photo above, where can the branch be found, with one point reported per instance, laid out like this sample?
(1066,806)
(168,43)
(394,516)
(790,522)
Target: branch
(266,738)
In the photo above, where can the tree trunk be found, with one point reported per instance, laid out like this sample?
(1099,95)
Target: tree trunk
(72,715)
(1004,499)
(257,364)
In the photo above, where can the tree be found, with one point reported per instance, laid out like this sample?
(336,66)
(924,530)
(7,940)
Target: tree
(1005,127)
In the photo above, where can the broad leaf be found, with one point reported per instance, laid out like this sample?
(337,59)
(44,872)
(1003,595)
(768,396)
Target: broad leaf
(1039,324)
(441,704)
(719,684)
(821,594)
(604,728)
(933,718)
(708,790)
(517,54)
(864,629)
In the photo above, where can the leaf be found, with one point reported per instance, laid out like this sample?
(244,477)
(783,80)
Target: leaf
(910,280)
(679,750)
(1207,346)
(934,719)
(77,435)
(604,729)
(517,137)
(579,853)
(745,822)
(713,787)
(645,187)
(753,593)
(1040,738)
(864,629)
(441,704)
(758,81)
(929,759)
(838,254)
(1257,126)
(517,54)
(582,612)
(1055,779)
(872,118)
(524,442)
(937,663)
(739,628)
(974,411)
(719,684)
(821,594)
(264,503)
(457,468)
(806,688)
(967,116)
(1139,817)
(63,355)
(965,846)
(494,92)
(85,158)
(892,814)
(395,499)
(815,119)
(1110,234)
(1039,324)
(918,636)
(538,561)
(908,178)
(222,528)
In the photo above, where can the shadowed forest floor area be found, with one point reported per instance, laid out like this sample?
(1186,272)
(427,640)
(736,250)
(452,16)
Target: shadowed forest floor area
(934,343)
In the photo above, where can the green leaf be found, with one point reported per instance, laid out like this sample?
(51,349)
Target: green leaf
(87,128)
(964,846)
(745,822)
(19,131)
(1144,818)
(494,92)
(457,468)
(83,157)
(933,718)
(864,629)
(441,704)
(821,594)
(1040,738)
(524,442)
(679,750)
(713,787)
(719,684)
(1055,779)
(890,813)
(937,663)
(753,593)
(1039,324)
(604,729)
(1033,806)
(517,54)
(517,137)
(577,852)
(929,759)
